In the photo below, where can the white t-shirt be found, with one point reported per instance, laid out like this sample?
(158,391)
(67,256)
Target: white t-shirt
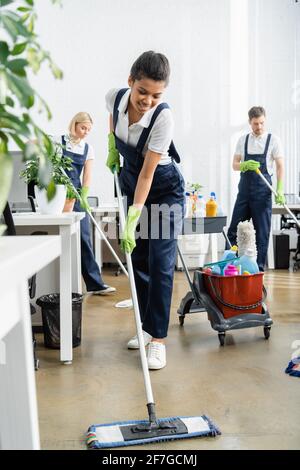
(76,148)
(160,135)
(256,145)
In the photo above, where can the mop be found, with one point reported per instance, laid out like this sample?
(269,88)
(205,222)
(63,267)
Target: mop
(293,367)
(126,433)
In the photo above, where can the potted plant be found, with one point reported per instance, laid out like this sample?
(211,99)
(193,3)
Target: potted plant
(20,54)
(51,200)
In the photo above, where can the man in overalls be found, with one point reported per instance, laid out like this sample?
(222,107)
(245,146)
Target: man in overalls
(254,200)
(141,131)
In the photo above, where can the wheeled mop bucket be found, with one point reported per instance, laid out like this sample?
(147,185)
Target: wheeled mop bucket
(231,302)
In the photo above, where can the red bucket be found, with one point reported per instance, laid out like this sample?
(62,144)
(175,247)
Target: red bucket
(236,295)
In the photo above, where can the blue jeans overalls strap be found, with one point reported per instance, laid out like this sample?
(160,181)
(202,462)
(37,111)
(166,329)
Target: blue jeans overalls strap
(154,256)
(254,201)
(89,267)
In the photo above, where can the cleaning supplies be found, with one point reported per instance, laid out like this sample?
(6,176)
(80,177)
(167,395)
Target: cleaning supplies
(246,237)
(188,205)
(231,270)
(200,206)
(248,262)
(230,254)
(211,206)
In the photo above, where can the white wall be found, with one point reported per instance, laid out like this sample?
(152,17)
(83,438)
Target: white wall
(225,55)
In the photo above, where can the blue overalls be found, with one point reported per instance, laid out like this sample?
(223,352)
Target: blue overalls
(254,200)
(89,267)
(154,256)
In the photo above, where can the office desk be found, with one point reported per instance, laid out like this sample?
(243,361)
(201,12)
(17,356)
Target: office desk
(20,258)
(68,224)
(205,225)
(293,202)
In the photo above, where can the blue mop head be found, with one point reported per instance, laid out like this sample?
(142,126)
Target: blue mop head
(119,434)
(294,367)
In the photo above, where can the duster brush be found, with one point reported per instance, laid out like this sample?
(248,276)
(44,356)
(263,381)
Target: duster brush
(246,237)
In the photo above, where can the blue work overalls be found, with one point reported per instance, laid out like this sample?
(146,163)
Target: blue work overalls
(89,267)
(154,256)
(254,200)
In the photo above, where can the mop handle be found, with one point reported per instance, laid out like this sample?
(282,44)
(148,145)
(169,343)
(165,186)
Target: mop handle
(98,228)
(275,193)
(136,309)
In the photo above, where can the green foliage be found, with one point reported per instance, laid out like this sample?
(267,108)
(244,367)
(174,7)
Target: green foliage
(40,170)
(20,53)
(196,187)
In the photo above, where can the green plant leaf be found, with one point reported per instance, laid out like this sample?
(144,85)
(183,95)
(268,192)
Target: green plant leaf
(16,125)
(14,26)
(21,88)
(10,102)
(4,51)
(24,9)
(17,66)
(6,174)
(3,87)
(29,2)
(34,59)
(57,72)
(51,190)
(3,3)
(19,48)
(18,141)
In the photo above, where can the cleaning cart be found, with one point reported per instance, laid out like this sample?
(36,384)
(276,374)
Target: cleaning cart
(231,303)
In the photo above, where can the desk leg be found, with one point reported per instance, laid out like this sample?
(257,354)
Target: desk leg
(214,247)
(76,260)
(19,429)
(271,263)
(66,351)
(98,242)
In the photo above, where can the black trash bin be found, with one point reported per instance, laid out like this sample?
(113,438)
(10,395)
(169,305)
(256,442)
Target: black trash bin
(51,319)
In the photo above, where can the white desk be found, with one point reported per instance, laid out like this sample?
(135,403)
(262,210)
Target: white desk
(278,210)
(207,225)
(98,213)
(20,258)
(70,267)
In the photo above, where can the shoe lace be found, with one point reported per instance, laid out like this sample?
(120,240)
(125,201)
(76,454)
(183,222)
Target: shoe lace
(154,350)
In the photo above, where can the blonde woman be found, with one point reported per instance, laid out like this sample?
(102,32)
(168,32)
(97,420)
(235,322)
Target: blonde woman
(82,155)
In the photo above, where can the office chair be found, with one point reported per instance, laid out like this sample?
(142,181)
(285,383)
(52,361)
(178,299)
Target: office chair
(286,222)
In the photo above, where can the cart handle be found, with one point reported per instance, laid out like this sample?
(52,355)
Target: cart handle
(237,307)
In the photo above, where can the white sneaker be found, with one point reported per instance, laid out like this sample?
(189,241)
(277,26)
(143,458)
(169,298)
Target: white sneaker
(106,290)
(133,343)
(156,355)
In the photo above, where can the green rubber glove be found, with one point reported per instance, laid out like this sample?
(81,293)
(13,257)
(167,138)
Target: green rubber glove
(128,236)
(251,165)
(83,199)
(279,198)
(113,159)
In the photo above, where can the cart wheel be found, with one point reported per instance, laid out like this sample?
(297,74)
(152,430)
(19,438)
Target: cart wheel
(221,338)
(181,319)
(267,332)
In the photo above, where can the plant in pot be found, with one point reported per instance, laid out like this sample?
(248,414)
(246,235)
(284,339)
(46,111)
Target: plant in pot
(20,55)
(53,199)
